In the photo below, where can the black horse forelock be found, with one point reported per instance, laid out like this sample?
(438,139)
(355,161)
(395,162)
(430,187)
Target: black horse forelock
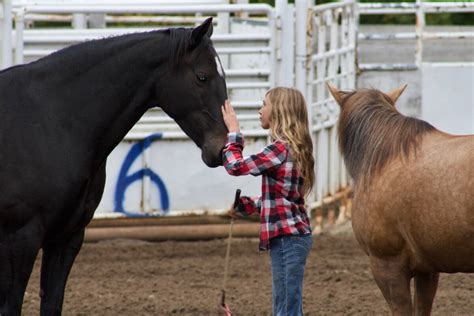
(180,43)
(180,40)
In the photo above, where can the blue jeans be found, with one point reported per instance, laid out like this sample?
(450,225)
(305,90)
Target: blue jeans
(288,255)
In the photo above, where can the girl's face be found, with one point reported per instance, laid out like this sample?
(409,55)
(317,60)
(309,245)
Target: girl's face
(264,112)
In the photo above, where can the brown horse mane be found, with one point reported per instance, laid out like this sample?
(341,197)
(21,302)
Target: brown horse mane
(372,132)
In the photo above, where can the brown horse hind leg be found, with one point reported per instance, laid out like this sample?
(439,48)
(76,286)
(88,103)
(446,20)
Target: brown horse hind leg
(425,291)
(394,282)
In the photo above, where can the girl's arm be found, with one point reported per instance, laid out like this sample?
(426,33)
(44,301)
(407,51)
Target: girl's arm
(270,157)
(266,160)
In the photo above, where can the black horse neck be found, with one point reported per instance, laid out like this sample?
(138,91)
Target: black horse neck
(102,88)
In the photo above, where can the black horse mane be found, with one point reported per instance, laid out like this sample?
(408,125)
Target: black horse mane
(113,43)
(372,132)
(179,43)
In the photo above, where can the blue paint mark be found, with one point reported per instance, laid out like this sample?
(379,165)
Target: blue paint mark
(124,180)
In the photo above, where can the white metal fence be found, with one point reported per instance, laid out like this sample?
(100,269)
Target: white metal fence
(325,52)
(261,47)
(419,8)
(441,59)
(332,59)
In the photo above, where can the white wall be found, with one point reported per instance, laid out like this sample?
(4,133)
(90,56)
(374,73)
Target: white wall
(190,185)
(386,81)
(448,96)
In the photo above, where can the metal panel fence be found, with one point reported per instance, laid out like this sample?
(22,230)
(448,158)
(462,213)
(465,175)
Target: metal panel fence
(326,49)
(30,44)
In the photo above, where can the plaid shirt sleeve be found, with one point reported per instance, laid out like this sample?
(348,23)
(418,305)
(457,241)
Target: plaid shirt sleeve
(249,205)
(266,160)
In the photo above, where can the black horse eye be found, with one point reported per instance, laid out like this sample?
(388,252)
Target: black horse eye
(202,78)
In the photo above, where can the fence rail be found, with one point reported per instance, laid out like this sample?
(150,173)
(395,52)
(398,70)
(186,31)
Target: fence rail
(420,9)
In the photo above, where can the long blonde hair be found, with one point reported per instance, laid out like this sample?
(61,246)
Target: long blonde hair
(289,123)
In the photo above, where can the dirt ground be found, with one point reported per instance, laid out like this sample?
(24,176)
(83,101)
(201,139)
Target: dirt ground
(129,277)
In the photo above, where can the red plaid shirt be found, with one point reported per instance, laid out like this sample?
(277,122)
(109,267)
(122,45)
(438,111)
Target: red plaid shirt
(281,205)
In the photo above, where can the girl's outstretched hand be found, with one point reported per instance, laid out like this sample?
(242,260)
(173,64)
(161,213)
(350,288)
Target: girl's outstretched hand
(230,118)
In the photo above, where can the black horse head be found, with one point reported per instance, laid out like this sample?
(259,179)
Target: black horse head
(193,89)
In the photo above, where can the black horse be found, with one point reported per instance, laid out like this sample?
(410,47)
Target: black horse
(61,116)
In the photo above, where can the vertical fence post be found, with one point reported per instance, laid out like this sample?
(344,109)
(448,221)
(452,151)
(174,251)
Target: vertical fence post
(304,70)
(97,21)
(301,49)
(285,49)
(5,33)
(79,21)
(420,25)
(353,34)
(272,24)
(333,69)
(351,66)
(322,182)
(19,40)
(223,27)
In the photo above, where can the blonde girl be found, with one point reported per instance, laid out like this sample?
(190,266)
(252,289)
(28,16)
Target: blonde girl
(287,169)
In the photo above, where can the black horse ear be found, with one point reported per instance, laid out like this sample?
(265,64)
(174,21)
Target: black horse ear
(205,29)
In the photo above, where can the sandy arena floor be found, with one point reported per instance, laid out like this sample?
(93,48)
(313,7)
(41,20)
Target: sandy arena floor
(129,277)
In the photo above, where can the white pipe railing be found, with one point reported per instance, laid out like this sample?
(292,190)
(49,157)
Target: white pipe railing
(412,7)
(132,9)
(6,58)
(21,3)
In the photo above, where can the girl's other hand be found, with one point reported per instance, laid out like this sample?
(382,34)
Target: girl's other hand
(230,118)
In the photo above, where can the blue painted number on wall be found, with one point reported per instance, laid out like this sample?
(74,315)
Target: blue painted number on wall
(125,180)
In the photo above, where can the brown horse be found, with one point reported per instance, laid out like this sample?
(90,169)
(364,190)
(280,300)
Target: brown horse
(413,208)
